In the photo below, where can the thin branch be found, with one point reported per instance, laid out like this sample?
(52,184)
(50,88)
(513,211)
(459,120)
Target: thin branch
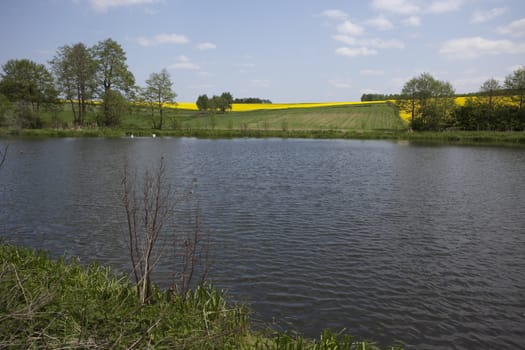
(3,155)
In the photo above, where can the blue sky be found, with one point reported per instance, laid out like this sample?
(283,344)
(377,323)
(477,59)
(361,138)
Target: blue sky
(283,50)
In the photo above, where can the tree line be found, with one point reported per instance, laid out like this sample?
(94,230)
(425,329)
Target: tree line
(216,103)
(79,75)
(252,100)
(223,102)
(431,104)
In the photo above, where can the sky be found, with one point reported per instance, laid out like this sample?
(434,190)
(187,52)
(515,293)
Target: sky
(282,50)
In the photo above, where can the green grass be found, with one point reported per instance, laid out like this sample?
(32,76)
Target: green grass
(58,304)
(347,117)
(351,117)
(375,121)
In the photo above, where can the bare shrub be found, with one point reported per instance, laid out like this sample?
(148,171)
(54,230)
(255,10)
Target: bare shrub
(3,155)
(149,207)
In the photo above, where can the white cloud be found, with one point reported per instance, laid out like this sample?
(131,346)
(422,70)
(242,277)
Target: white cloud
(340,84)
(348,40)
(161,39)
(485,16)
(206,46)
(403,7)
(445,6)
(380,22)
(412,21)
(105,5)
(350,28)
(355,51)
(184,63)
(334,14)
(371,72)
(516,28)
(473,47)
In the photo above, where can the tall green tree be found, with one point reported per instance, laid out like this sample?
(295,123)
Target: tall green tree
(490,88)
(409,98)
(429,101)
(203,102)
(515,82)
(113,77)
(27,82)
(115,106)
(226,101)
(5,107)
(75,72)
(159,91)
(112,70)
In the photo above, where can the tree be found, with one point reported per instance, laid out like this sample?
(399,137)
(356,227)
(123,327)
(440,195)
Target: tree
(203,102)
(429,101)
(149,207)
(3,154)
(158,90)
(115,105)
(112,70)
(5,107)
(25,80)
(226,101)
(75,73)
(217,103)
(113,77)
(515,82)
(409,94)
(490,88)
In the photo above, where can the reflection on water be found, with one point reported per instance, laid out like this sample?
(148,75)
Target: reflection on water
(422,245)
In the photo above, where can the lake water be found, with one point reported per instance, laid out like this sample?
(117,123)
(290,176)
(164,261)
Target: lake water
(423,245)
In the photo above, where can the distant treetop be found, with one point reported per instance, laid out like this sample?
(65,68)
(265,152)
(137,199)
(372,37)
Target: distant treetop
(251,100)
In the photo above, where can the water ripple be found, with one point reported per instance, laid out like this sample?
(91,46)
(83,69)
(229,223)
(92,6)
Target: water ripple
(418,245)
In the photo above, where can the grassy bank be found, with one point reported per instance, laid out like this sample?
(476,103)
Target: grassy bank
(58,304)
(485,138)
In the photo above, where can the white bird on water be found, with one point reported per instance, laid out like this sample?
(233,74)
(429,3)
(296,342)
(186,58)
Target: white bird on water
(131,136)
(154,135)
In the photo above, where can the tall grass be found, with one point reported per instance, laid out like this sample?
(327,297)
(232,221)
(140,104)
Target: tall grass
(58,304)
(47,304)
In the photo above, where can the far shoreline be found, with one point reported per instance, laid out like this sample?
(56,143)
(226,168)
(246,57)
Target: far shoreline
(476,138)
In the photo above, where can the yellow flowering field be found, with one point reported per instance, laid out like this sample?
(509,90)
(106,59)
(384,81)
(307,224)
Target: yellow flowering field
(244,107)
(502,100)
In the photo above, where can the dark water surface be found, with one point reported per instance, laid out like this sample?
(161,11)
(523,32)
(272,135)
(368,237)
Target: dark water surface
(422,245)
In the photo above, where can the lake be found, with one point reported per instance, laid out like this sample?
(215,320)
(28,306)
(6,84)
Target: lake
(394,242)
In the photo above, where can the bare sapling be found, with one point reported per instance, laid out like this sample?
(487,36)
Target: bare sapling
(194,254)
(3,155)
(149,208)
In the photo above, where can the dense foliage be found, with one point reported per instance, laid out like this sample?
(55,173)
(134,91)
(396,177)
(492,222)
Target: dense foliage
(251,100)
(431,106)
(216,103)
(378,97)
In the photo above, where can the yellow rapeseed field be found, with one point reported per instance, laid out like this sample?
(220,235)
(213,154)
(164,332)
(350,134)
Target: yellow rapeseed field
(244,107)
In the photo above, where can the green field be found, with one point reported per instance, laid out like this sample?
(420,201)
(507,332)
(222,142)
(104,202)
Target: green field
(343,118)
